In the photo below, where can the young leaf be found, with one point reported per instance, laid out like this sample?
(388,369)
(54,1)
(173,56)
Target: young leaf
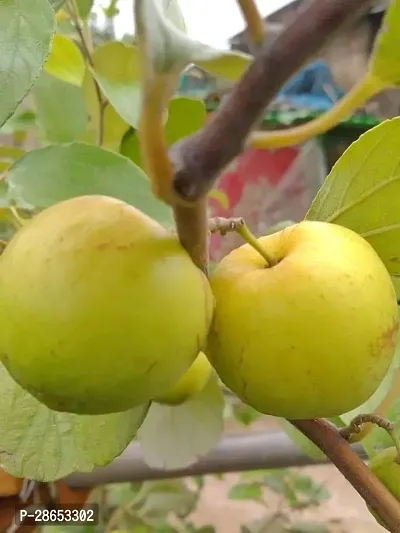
(384,64)
(65,60)
(26,31)
(362,190)
(170,50)
(245,491)
(61,109)
(45,445)
(175,437)
(116,69)
(58,172)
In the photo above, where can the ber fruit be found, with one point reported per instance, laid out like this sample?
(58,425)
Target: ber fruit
(386,467)
(190,384)
(312,336)
(101,308)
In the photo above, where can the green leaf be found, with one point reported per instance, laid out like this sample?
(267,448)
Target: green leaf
(113,126)
(130,147)
(19,121)
(45,445)
(175,437)
(185,117)
(58,172)
(84,8)
(61,108)
(170,50)
(384,63)
(246,491)
(26,31)
(116,69)
(65,60)
(301,441)
(362,190)
(162,497)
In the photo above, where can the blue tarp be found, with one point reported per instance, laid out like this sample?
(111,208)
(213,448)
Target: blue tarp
(313,87)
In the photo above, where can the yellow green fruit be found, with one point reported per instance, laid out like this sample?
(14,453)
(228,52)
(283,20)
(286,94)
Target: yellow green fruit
(191,383)
(101,308)
(386,468)
(312,336)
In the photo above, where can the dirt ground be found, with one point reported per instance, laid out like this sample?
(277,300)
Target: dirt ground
(345,509)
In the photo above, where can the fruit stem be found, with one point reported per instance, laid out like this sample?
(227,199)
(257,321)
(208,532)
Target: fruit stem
(246,234)
(238,225)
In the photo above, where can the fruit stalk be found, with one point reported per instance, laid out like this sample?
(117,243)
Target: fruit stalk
(336,448)
(225,225)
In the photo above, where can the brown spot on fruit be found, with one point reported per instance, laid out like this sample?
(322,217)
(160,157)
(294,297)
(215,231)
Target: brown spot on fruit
(386,341)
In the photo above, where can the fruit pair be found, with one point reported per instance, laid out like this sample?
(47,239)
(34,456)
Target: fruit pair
(310,336)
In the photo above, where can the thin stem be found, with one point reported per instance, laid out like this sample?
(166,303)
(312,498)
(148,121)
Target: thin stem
(238,225)
(337,449)
(381,410)
(87,47)
(224,225)
(358,95)
(153,144)
(355,428)
(246,234)
(254,21)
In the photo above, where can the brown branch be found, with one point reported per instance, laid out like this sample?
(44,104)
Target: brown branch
(375,494)
(200,158)
(192,226)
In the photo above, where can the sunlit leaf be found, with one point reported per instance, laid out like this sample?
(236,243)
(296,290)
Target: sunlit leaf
(362,190)
(45,445)
(225,64)
(59,172)
(65,60)
(171,50)
(113,126)
(26,30)
(61,108)
(385,60)
(175,437)
(116,69)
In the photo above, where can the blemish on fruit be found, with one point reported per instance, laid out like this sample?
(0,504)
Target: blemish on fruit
(386,341)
